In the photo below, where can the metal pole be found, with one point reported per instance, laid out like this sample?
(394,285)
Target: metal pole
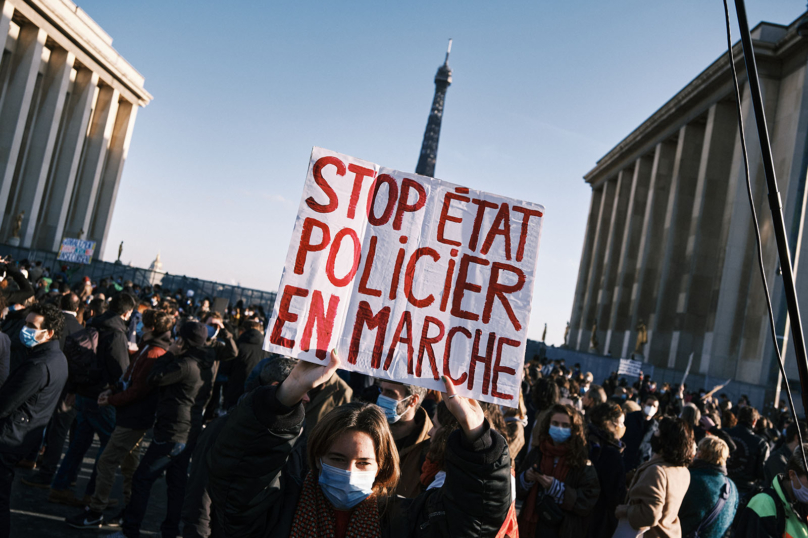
(775,203)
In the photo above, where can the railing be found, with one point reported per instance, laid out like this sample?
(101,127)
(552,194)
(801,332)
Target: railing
(144,277)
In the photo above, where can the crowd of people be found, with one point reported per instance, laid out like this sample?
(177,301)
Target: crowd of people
(259,445)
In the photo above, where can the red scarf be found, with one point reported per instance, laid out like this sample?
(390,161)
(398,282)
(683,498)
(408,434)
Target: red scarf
(428,471)
(528,517)
(315,517)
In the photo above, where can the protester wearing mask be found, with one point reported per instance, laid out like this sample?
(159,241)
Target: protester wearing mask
(606,428)
(640,428)
(409,425)
(177,377)
(777,462)
(352,457)
(782,508)
(220,346)
(712,499)
(594,396)
(659,485)
(29,396)
(557,483)
(250,352)
(111,361)
(135,405)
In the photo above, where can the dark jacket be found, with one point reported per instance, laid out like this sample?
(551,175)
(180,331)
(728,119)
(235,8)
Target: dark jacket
(607,457)
(219,350)
(71,326)
(256,495)
(29,397)
(250,352)
(706,481)
(112,353)
(638,439)
(26,290)
(776,464)
(134,399)
(179,380)
(746,463)
(767,516)
(5,358)
(581,492)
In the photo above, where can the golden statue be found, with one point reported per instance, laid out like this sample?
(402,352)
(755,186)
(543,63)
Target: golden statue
(120,250)
(566,334)
(544,334)
(15,230)
(642,337)
(593,338)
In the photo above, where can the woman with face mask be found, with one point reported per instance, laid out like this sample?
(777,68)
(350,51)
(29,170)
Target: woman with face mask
(606,428)
(353,467)
(659,485)
(556,482)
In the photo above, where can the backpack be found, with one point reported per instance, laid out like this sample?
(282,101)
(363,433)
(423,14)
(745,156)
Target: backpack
(81,349)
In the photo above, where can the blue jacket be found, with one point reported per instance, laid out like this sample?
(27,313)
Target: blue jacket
(29,396)
(705,484)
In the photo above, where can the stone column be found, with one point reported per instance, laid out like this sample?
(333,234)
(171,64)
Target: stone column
(620,318)
(67,155)
(19,91)
(644,289)
(614,246)
(677,220)
(596,265)
(583,268)
(95,151)
(41,140)
(705,232)
(111,178)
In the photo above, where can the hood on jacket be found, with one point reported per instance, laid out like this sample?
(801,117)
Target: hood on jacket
(251,336)
(108,321)
(162,341)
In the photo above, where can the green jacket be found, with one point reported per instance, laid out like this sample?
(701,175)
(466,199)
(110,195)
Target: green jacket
(760,517)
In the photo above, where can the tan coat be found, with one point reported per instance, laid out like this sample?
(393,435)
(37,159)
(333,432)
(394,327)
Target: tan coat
(654,498)
(412,457)
(334,393)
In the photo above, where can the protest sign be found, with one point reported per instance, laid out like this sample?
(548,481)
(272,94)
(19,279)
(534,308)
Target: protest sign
(630,368)
(410,278)
(76,251)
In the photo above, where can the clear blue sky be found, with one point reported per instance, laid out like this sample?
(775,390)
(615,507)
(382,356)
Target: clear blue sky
(243,90)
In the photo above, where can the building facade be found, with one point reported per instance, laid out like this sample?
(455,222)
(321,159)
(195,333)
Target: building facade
(669,262)
(68,103)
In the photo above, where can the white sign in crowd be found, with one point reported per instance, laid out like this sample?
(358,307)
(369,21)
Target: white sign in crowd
(409,277)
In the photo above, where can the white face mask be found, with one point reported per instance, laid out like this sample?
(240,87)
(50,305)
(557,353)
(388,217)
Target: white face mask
(800,493)
(649,410)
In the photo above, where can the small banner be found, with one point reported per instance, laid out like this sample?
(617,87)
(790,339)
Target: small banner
(76,251)
(630,368)
(410,278)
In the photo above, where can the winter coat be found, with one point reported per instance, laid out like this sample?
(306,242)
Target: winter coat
(333,393)
(71,326)
(134,400)
(112,353)
(256,495)
(746,463)
(759,518)
(776,464)
(654,498)
(638,439)
(706,481)
(581,492)
(607,457)
(412,456)
(5,358)
(250,352)
(29,397)
(178,380)
(221,349)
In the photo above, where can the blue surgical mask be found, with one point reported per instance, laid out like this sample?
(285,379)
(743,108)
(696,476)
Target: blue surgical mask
(345,489)
(390,407)
(560,435)
(28,337)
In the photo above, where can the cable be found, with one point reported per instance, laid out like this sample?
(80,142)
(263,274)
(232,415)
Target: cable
(761,265)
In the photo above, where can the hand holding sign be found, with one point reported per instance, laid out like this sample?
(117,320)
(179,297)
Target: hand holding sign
(467,411)
(304,377)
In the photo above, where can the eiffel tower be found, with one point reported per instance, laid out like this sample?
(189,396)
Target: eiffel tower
(429,147)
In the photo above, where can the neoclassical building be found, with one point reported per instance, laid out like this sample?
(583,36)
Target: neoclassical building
(68,103)
(669,244)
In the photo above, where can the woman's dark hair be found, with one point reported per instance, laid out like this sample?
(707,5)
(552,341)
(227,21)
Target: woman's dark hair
(122,303)
(578,453)
(54,319)
(545,394)
(674,442)
(604,416)
(691,414)
(365,418)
